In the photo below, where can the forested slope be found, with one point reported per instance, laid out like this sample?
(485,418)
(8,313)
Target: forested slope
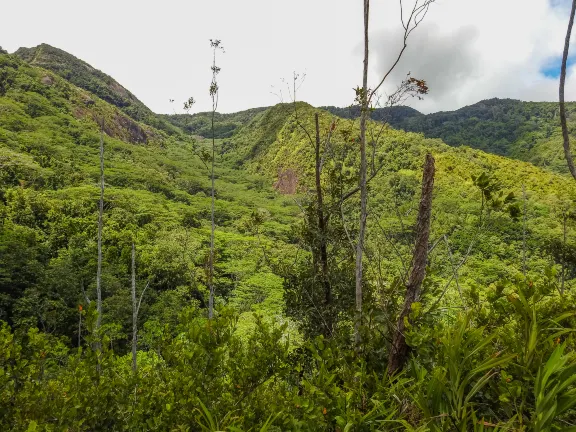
(157,193)
(225,125)
(538,194)
(528,131)
(85,76)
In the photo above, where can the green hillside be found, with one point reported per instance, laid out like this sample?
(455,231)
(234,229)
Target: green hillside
(157,189)
(494,317)
(83,75)
(225,125)
(281,149)
(527,131)
(394,115)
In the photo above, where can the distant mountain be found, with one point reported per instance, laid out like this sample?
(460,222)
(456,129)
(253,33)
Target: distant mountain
(83,75)
(393,115)
(225,125)
(528,131)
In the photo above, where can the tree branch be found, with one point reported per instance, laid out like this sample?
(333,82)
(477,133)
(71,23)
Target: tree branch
(565,135)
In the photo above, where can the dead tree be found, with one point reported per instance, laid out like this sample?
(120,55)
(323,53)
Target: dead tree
(399,350)
(565,135)
(320,256)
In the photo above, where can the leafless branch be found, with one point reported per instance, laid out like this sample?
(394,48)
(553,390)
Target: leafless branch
(417,15)
(142,296)
(357,189)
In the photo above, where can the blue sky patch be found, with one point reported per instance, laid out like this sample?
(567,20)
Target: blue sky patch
(560,3)
(552,68)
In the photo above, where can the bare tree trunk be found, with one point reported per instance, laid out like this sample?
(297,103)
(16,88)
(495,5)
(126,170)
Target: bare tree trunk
(362,184)
(212,228)
(524,232)
(79,327)
(565,136)
(400,349)
(134,311)
(564,258)
(216,45)
(100,217)
(322,234)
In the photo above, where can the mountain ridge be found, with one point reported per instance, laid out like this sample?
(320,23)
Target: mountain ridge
(527,131)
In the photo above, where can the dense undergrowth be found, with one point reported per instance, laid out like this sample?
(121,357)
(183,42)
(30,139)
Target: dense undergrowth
(505,364)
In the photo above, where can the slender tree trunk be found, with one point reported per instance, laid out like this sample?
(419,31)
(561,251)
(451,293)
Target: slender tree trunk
(215,44)
(524,231)
(79,327)
(212,228)
(565,136)
(100,217)
(363,188)
(399,350)
(134,312)
(564,258)
(322,234)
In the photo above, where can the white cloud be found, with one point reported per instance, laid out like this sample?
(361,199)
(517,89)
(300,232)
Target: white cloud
(468,50)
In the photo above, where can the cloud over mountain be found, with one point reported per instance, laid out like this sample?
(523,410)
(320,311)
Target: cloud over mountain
(469,50)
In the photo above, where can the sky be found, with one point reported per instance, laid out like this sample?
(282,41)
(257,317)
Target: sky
(467,50)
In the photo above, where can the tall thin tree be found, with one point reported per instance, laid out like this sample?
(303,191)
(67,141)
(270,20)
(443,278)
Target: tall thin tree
(565,136)
(322,229)
(364,97)
(100,225)
(135,310)
(216,46)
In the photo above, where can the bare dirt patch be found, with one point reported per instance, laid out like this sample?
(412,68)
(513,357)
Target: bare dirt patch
(287,183)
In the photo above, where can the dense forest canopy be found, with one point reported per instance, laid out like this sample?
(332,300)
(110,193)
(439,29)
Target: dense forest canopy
(490,334)
(528,131)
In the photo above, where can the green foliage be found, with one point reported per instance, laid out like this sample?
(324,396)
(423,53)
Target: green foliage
(528,131)
(156,193)
(94,81)
(225,125)
(553,390)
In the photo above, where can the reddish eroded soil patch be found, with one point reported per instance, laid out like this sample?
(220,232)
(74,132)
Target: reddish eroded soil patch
(287,181)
